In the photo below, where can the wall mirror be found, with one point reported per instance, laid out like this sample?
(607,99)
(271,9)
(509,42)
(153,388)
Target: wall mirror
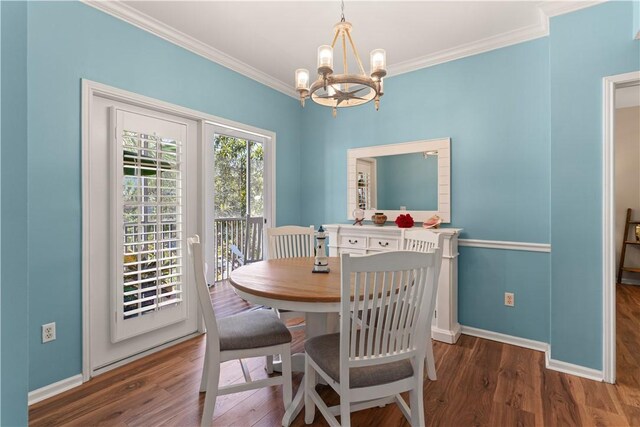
(411,177)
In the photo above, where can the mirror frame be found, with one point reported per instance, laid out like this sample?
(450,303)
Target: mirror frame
(442,145)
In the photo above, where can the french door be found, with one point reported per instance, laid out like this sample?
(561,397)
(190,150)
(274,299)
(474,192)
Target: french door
(239,177)
(143,176)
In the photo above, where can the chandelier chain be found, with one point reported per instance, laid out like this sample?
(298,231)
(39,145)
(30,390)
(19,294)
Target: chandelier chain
(342,14)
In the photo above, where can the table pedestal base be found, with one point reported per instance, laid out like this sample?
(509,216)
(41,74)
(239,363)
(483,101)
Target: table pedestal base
(316,324)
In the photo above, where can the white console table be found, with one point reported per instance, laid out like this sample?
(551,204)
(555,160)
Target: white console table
(368,239)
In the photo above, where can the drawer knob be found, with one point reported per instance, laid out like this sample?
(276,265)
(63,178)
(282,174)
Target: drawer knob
(385,244)
(353,242)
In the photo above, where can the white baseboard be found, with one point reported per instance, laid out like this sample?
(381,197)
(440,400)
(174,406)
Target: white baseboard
(570,368)
(51,390)
(450,337)
(552,364)
(504,338)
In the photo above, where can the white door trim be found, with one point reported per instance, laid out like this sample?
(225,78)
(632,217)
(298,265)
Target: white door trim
(608,230)
(90,90)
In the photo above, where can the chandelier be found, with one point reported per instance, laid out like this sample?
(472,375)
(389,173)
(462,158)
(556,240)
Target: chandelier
(343,90)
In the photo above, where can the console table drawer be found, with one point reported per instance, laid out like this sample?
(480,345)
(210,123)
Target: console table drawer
(377,243)
(358,242)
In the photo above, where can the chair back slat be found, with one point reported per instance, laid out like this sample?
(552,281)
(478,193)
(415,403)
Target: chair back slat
(374,312)
(195,249)
(291,241)
(394,295)
(354,324)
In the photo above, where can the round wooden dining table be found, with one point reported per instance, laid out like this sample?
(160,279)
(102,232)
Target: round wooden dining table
(290,284)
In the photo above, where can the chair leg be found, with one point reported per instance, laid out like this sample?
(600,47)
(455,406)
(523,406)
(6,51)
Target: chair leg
(212,393)
(205,370)
(309,384)
(430,362)
(286,377)
(416,399)
(345,411)
(417,408)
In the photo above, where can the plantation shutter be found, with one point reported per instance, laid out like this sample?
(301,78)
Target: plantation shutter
(149,257)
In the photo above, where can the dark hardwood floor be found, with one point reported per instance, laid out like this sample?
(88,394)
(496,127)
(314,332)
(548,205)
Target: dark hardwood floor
(480,383)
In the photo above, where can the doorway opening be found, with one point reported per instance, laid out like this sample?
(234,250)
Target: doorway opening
(621,216)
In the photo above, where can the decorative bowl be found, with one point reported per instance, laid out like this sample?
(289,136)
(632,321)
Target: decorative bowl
(379,219)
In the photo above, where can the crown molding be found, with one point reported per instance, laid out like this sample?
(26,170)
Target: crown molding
(547,10)
(541,29)
(145,22)
(479,46)
(559,7)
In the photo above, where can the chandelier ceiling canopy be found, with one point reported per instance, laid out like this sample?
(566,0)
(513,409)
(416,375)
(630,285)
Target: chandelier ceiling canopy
(343,90)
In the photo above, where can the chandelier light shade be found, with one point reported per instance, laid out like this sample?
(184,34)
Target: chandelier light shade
(325,59)
(378,63)
(335,90)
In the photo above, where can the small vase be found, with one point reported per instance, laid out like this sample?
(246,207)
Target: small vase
(638,233)
(379,219)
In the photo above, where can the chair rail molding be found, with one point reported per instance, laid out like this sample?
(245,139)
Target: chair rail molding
(513,246)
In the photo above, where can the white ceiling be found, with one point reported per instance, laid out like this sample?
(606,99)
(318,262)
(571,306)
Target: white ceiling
(268,40)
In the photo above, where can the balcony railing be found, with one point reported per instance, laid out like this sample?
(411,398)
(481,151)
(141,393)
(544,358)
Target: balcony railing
(227,232)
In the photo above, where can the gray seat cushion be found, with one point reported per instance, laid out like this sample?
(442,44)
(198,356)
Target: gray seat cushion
(325,351)
(253,329)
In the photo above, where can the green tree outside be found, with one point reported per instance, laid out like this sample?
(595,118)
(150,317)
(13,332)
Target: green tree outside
(230,181)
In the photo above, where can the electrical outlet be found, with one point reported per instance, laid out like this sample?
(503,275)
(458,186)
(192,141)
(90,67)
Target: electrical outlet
(48,332)
(509,299)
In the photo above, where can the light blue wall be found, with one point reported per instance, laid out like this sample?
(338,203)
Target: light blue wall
(407,180)
(69,41)
(636,19)
(484,275)
(1,211)
(495,108)
(585,46)
(511,164)
(13,225)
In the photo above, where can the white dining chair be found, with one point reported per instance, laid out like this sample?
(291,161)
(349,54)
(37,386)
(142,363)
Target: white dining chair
(291,241)
(426,241)
(371,366)
(256,333)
